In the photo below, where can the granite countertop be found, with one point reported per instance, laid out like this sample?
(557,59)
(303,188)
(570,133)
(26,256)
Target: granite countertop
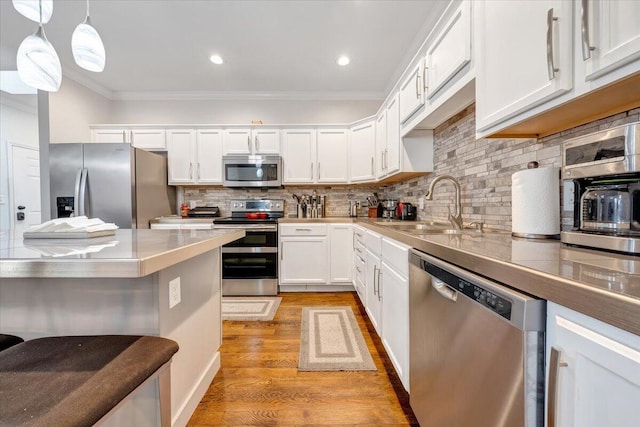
(600,284)
(128,253)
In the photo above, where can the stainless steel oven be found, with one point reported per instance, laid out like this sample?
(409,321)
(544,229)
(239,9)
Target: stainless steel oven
(250,264)
(252,171)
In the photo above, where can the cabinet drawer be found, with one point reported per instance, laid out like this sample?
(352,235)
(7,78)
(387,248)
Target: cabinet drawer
(396,255)
(358,234)
(359,265)
(373,242)
(303,229)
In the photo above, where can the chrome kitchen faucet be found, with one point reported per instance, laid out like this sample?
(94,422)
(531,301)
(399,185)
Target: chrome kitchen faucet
(456,219)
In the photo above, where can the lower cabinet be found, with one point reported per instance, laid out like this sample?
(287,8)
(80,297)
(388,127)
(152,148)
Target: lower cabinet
(373,305)
(598,371)
(313,256)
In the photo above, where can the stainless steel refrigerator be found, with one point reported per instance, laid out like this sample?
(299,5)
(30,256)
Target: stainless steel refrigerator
(114,182)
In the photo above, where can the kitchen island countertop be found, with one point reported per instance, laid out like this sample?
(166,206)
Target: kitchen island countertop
(128,253)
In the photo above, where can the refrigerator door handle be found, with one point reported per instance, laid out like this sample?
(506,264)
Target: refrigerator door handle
(83,192)
(76,194)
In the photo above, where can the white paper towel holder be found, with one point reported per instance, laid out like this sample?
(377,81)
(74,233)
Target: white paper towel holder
(534,165)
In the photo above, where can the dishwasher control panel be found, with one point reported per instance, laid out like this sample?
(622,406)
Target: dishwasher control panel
(489,299)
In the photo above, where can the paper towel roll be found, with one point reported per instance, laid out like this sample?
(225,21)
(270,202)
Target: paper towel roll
(535,202)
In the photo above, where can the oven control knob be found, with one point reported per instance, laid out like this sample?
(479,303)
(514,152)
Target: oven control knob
(267,205)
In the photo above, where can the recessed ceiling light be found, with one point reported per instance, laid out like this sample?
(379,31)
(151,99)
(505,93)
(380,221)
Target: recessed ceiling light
(216,59)
(343,60)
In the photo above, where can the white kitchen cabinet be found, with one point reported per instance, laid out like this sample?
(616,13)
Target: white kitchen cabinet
(359,263)
(363,152)
(298,155)
(315,156)
(449,52)
(388,143)
(598,371)
(332,156)
(381,143)
(412,92)
(151,139)
(252,141)
(340,253)
(394,285)
(524,56)
(609,35)
(373,306)
(194,156)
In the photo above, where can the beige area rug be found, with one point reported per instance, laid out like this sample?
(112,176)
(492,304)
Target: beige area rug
(331,341)
(249,308)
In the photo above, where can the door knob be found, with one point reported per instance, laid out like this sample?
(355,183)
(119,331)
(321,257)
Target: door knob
(21,207)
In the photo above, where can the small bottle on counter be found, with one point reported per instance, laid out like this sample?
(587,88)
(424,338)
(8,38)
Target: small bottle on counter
(184,210)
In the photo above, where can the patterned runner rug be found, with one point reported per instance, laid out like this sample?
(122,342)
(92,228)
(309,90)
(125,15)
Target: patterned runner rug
(249,308)
(331,341)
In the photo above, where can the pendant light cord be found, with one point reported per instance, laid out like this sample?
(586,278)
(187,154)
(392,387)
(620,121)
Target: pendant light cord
(87,8)
(40,7)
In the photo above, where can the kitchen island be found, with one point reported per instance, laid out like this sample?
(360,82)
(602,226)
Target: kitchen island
(142,282)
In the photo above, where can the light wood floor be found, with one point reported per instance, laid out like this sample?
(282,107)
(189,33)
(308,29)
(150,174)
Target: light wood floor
(259,383)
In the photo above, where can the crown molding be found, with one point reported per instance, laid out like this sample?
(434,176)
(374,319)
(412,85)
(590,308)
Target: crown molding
(247,96)
(80,78)
(19,102)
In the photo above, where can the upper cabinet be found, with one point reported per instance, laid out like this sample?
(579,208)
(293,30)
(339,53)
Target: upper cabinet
(252,141)
(363,152)
(151,139)
(194,156)
(389,143)
(412,92)
(525,57)
(546,66)
(315,156)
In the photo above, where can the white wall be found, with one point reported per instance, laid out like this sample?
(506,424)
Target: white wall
(19,125)
(72,109)
(241,111)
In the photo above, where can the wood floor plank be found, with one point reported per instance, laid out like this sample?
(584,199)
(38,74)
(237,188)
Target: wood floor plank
(259,383)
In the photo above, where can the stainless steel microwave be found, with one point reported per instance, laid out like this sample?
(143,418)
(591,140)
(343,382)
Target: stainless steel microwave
(252,171)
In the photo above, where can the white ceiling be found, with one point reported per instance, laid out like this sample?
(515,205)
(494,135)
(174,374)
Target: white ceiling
(160,48)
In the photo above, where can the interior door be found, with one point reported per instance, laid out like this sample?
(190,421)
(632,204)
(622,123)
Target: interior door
(25,187)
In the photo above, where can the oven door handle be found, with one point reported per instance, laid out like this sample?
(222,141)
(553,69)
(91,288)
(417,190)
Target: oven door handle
(246,228)
(245,250)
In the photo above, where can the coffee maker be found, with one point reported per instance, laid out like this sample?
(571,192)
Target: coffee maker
(389,206)
(603,171)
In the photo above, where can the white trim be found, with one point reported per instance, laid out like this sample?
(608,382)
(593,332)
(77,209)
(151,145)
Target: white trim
(181,415)
(12,101)
(248,96)
(10,181)
(81,79)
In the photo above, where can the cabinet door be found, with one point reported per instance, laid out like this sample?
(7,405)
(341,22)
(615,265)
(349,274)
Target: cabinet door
(363,152)
(110,135)
(372,289)
(381,144)
(209,156)
(519,46)
(600,384)
(266,141)
(149,139)
(612,30)
(392,158)
(450,51)
(303,260)
(340,252)
(395,333)
(238,141)
(332,155)
(411,93)
(298,155)
(180,156)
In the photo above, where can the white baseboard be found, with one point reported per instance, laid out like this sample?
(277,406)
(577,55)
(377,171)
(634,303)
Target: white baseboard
(344,287)
(183,414)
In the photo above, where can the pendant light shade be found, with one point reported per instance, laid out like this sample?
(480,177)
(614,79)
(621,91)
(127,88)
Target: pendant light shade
(86,45)
(37,61)
(30,9)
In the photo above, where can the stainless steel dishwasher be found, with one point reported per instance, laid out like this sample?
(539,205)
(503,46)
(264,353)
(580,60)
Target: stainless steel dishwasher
(476,349)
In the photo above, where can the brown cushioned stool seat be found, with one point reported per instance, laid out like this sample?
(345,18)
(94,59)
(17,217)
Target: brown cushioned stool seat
(7,341)
(75,380)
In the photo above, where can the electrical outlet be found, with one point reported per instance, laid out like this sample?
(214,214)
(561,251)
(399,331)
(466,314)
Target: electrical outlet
(174,292)
(421,202)
(192,204)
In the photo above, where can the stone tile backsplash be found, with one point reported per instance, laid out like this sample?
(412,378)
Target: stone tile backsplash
(483,167)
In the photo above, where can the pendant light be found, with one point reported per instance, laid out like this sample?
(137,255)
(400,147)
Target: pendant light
(30,9)
(86,45)
(38,62)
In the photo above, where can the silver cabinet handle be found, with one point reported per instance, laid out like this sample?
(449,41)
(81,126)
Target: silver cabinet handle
(417,84)
(443,289)
(303,229)
(198,173)
(375,274)
(554,367)
(372,172)
(584,30)
(359,271)
(311,171)
(191,171)
(318,171)
(249,143)
(386,158)
(131,136)
(424,79)
(551,69)
(281,250)
(257,144)
(379,284)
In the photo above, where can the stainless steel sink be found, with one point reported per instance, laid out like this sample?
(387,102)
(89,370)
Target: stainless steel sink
(422,225)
